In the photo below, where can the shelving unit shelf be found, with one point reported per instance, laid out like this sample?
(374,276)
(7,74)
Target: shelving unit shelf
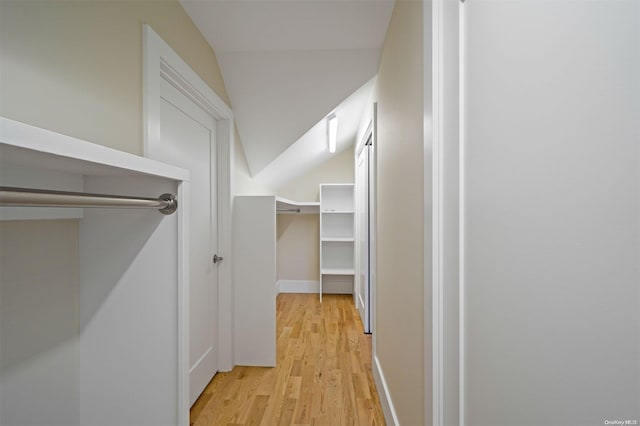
(337,271)
(337,238)
(285,206)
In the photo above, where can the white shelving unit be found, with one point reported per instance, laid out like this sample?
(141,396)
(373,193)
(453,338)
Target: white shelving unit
(254,266)
(337,211)
(94,304)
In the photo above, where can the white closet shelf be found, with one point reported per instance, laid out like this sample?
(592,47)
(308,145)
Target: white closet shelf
(339,239)
(337,271)
(29,146)
(338,212)
(306,207)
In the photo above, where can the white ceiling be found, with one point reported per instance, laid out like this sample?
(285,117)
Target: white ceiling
(287,64)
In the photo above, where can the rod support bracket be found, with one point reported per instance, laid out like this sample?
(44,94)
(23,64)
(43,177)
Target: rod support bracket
(172,204)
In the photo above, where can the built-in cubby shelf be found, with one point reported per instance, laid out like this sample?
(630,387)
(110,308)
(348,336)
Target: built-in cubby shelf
(336,226)
(350,239)
(337,236)
(338,212)
(338,271)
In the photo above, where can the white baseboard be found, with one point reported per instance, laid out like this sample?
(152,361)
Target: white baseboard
(390,416)
(297,286)
(334,285)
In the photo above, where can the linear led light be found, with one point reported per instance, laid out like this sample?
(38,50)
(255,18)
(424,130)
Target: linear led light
(332,122)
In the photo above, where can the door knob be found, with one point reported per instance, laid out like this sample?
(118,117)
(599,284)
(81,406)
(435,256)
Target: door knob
(217,258)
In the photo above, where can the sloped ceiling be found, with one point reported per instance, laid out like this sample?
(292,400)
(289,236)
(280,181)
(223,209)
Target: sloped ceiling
(288,64)
(311,149)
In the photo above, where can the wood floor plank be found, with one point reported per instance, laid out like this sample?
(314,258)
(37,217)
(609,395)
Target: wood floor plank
(286,417)
(257,410)
(323,374)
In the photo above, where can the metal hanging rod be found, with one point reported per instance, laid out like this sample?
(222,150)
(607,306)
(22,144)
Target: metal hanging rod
(288,210)
(26,197)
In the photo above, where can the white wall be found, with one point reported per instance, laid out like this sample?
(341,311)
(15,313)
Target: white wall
(337,169)
(76,67)
(298,247)
(401,269)
(245,184)
(551,212)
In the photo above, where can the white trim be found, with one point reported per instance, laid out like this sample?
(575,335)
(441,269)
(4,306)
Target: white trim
(373,230)
(226,127)
(461,218)
(183,309)
(430,160)
(161,62)
(389,411)
(359,303)
(320,242)
(373,194)
(297,286)
(362,143)
(437,303)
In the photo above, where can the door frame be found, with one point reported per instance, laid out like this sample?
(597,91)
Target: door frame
(434,38)
(444,44)
(360,146)
(161,62)
(373,229)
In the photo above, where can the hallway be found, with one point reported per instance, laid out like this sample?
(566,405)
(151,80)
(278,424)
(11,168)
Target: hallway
(323,374)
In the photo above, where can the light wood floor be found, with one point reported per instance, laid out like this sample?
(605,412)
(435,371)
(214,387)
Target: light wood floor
(323,374)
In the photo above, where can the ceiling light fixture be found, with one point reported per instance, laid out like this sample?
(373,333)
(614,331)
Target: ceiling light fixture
(332,121)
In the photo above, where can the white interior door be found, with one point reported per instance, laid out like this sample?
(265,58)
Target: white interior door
(188,140)
(363,287)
